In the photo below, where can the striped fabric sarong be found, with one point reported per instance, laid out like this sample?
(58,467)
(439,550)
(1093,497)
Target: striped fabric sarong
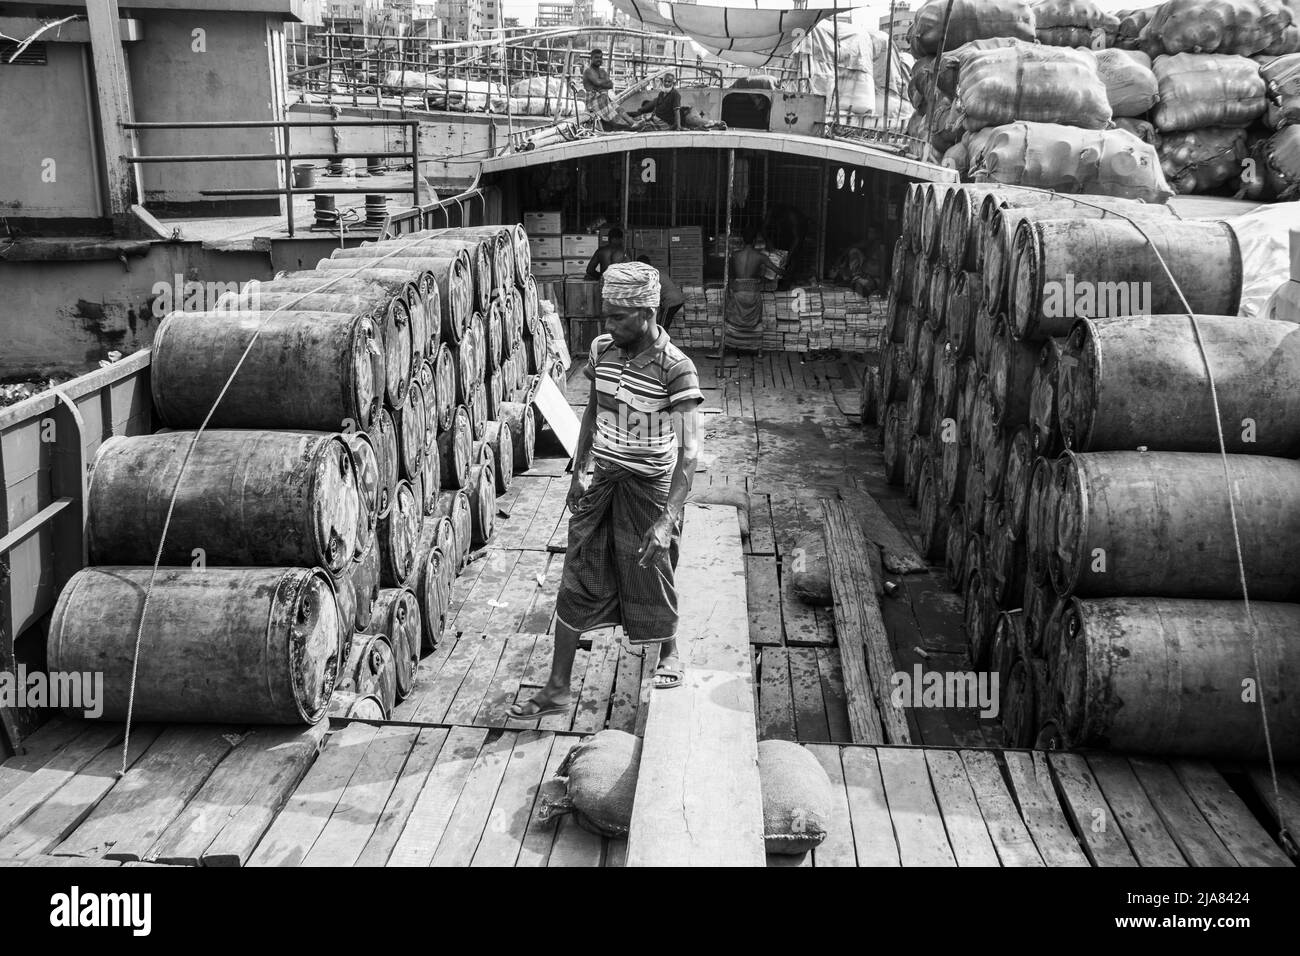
(742,320)
(603,585)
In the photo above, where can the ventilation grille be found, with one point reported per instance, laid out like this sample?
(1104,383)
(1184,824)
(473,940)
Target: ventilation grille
(34,55)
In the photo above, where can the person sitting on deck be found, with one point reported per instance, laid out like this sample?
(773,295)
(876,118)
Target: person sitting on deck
(742,316)
(666,110)
(671,299)
(641,431)
(607,255)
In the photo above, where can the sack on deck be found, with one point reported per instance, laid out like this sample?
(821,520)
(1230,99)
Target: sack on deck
(1202,89)
(1131,24)
(1140,128)
(1198,160)
(970,20)
(950,64)
(1043,84)
(810,570)
(1131,87)
(796,797)
(596,782)
(1074,23)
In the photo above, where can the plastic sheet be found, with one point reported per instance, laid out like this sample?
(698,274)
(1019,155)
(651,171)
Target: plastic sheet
(1200,89)
(1067,159)
(1281,154)
(1074,23)
(1035,84)
(970,20)
(1243,27)
(1200,160)
(1282,86)
(950,64)
(1131,87)
(1265,252)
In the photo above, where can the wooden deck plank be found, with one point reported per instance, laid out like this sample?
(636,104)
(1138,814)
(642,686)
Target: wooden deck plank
(837,706)
(542,609)
(58,815)
(516,597)
(468,820)
(1032,786)
(1246,840)
(509,533)
(559,541)
(38,748)
(139,808)
(438,797)
(1137,818)
(763,595)
(507,823)
(503,689)
(430,705)
(775,697)
(357,813)
(1011,839)
(296,828)
(229,814)
(1183,820)
(486,598)
(873,829)
(698,800)
(594,700)
(838,848)
(539,836)
(549,512)
(761,537)
(918,824)
(469,696)
(625,699)
(563,722)
(1103,838)
(1288,790)
(536,673)
(800,622)
(968,833)
(857,619)
(806,685)
(896,550)
(40,783)
(460,591)
(401,802)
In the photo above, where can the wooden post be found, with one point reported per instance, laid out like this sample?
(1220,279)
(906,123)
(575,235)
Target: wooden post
(627,187)
(889,59)
(113,90)
(726,254)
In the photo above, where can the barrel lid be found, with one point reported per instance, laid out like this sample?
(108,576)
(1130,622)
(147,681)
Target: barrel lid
(337,502)
(314,638)
(1078,377)
(404,529)
(1070,498)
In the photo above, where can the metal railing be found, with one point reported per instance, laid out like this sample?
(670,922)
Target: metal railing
(286,157)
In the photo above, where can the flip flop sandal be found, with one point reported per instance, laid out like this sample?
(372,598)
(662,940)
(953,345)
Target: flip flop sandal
(550,710)
(673,673)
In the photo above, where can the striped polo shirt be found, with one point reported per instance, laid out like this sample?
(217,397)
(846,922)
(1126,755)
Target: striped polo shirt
(634,399)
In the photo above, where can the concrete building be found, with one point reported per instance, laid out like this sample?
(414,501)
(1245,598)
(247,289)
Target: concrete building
(897,27)
(558,13)
(462,19)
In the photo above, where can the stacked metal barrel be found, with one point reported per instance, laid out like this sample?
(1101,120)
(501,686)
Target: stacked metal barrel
(1044,398)
(378,405)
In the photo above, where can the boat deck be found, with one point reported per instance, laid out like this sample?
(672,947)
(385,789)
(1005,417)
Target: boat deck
(451,780)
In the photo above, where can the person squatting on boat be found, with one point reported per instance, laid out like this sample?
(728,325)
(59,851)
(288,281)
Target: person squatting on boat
(641,432)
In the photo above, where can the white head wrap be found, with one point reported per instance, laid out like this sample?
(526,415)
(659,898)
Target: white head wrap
(631,285)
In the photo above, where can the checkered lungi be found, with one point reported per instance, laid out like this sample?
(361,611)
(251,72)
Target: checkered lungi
(603,584)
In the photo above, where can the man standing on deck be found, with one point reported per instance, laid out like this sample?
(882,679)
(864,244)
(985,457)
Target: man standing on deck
(742,316)
(641,430)
(607,255)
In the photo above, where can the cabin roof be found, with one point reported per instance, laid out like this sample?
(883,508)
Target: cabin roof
(812,147)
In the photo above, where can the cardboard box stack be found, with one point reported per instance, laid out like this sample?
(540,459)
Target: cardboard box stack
(544,243)
(653,244)
(795,320)
(686,255)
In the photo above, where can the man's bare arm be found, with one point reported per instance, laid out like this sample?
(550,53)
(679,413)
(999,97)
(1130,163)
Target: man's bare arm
(659,538)
(582,455)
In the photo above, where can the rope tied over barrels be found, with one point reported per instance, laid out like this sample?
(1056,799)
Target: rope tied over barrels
(1284,831)
(171,503)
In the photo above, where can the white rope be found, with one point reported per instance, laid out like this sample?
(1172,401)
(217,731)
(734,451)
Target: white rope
(171,504)
(1284,833)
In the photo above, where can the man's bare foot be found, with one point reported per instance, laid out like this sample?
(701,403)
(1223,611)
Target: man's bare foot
(540,705)
(669,673)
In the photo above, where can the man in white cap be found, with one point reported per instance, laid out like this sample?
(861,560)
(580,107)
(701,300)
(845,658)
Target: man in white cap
(641,432)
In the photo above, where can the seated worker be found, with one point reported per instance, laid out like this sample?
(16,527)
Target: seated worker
(607,255)
(671,299)
(666,110)
(742,313)
(599,89)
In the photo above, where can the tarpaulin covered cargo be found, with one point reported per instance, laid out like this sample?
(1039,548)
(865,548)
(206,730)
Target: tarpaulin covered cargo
(1201,89)
(1037,84)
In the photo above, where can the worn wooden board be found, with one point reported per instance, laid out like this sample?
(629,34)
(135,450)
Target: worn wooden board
(598,684)
(802,624)
(1241,833)
(139,808)
(698,801)
(625,699)
(775,698)
(539,835)
(897,552)
(833,695)
(550,511)
(1187,827)
(1286,809)
(485,597)
(859,624)
(873,830)
(438,798)
(763,595)
(503,689)
(420,760)
(1137,818)
(1032,787)
(509,532)
(469,818)
(297,827)
(472,689)
(761,537)
(918,823)
(1011,839)
(809,706)
(968,834)
(1103,839)
(507,823)
(232,810)
(39,784)
(436,684)
(838,847)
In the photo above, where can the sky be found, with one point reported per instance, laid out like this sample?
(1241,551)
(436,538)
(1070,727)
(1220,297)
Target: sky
(868,12)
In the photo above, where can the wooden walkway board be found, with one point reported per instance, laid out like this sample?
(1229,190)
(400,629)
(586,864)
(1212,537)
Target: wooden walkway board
(698,800)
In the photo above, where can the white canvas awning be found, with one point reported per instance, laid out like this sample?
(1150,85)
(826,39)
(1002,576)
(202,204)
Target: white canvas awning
(753,36)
